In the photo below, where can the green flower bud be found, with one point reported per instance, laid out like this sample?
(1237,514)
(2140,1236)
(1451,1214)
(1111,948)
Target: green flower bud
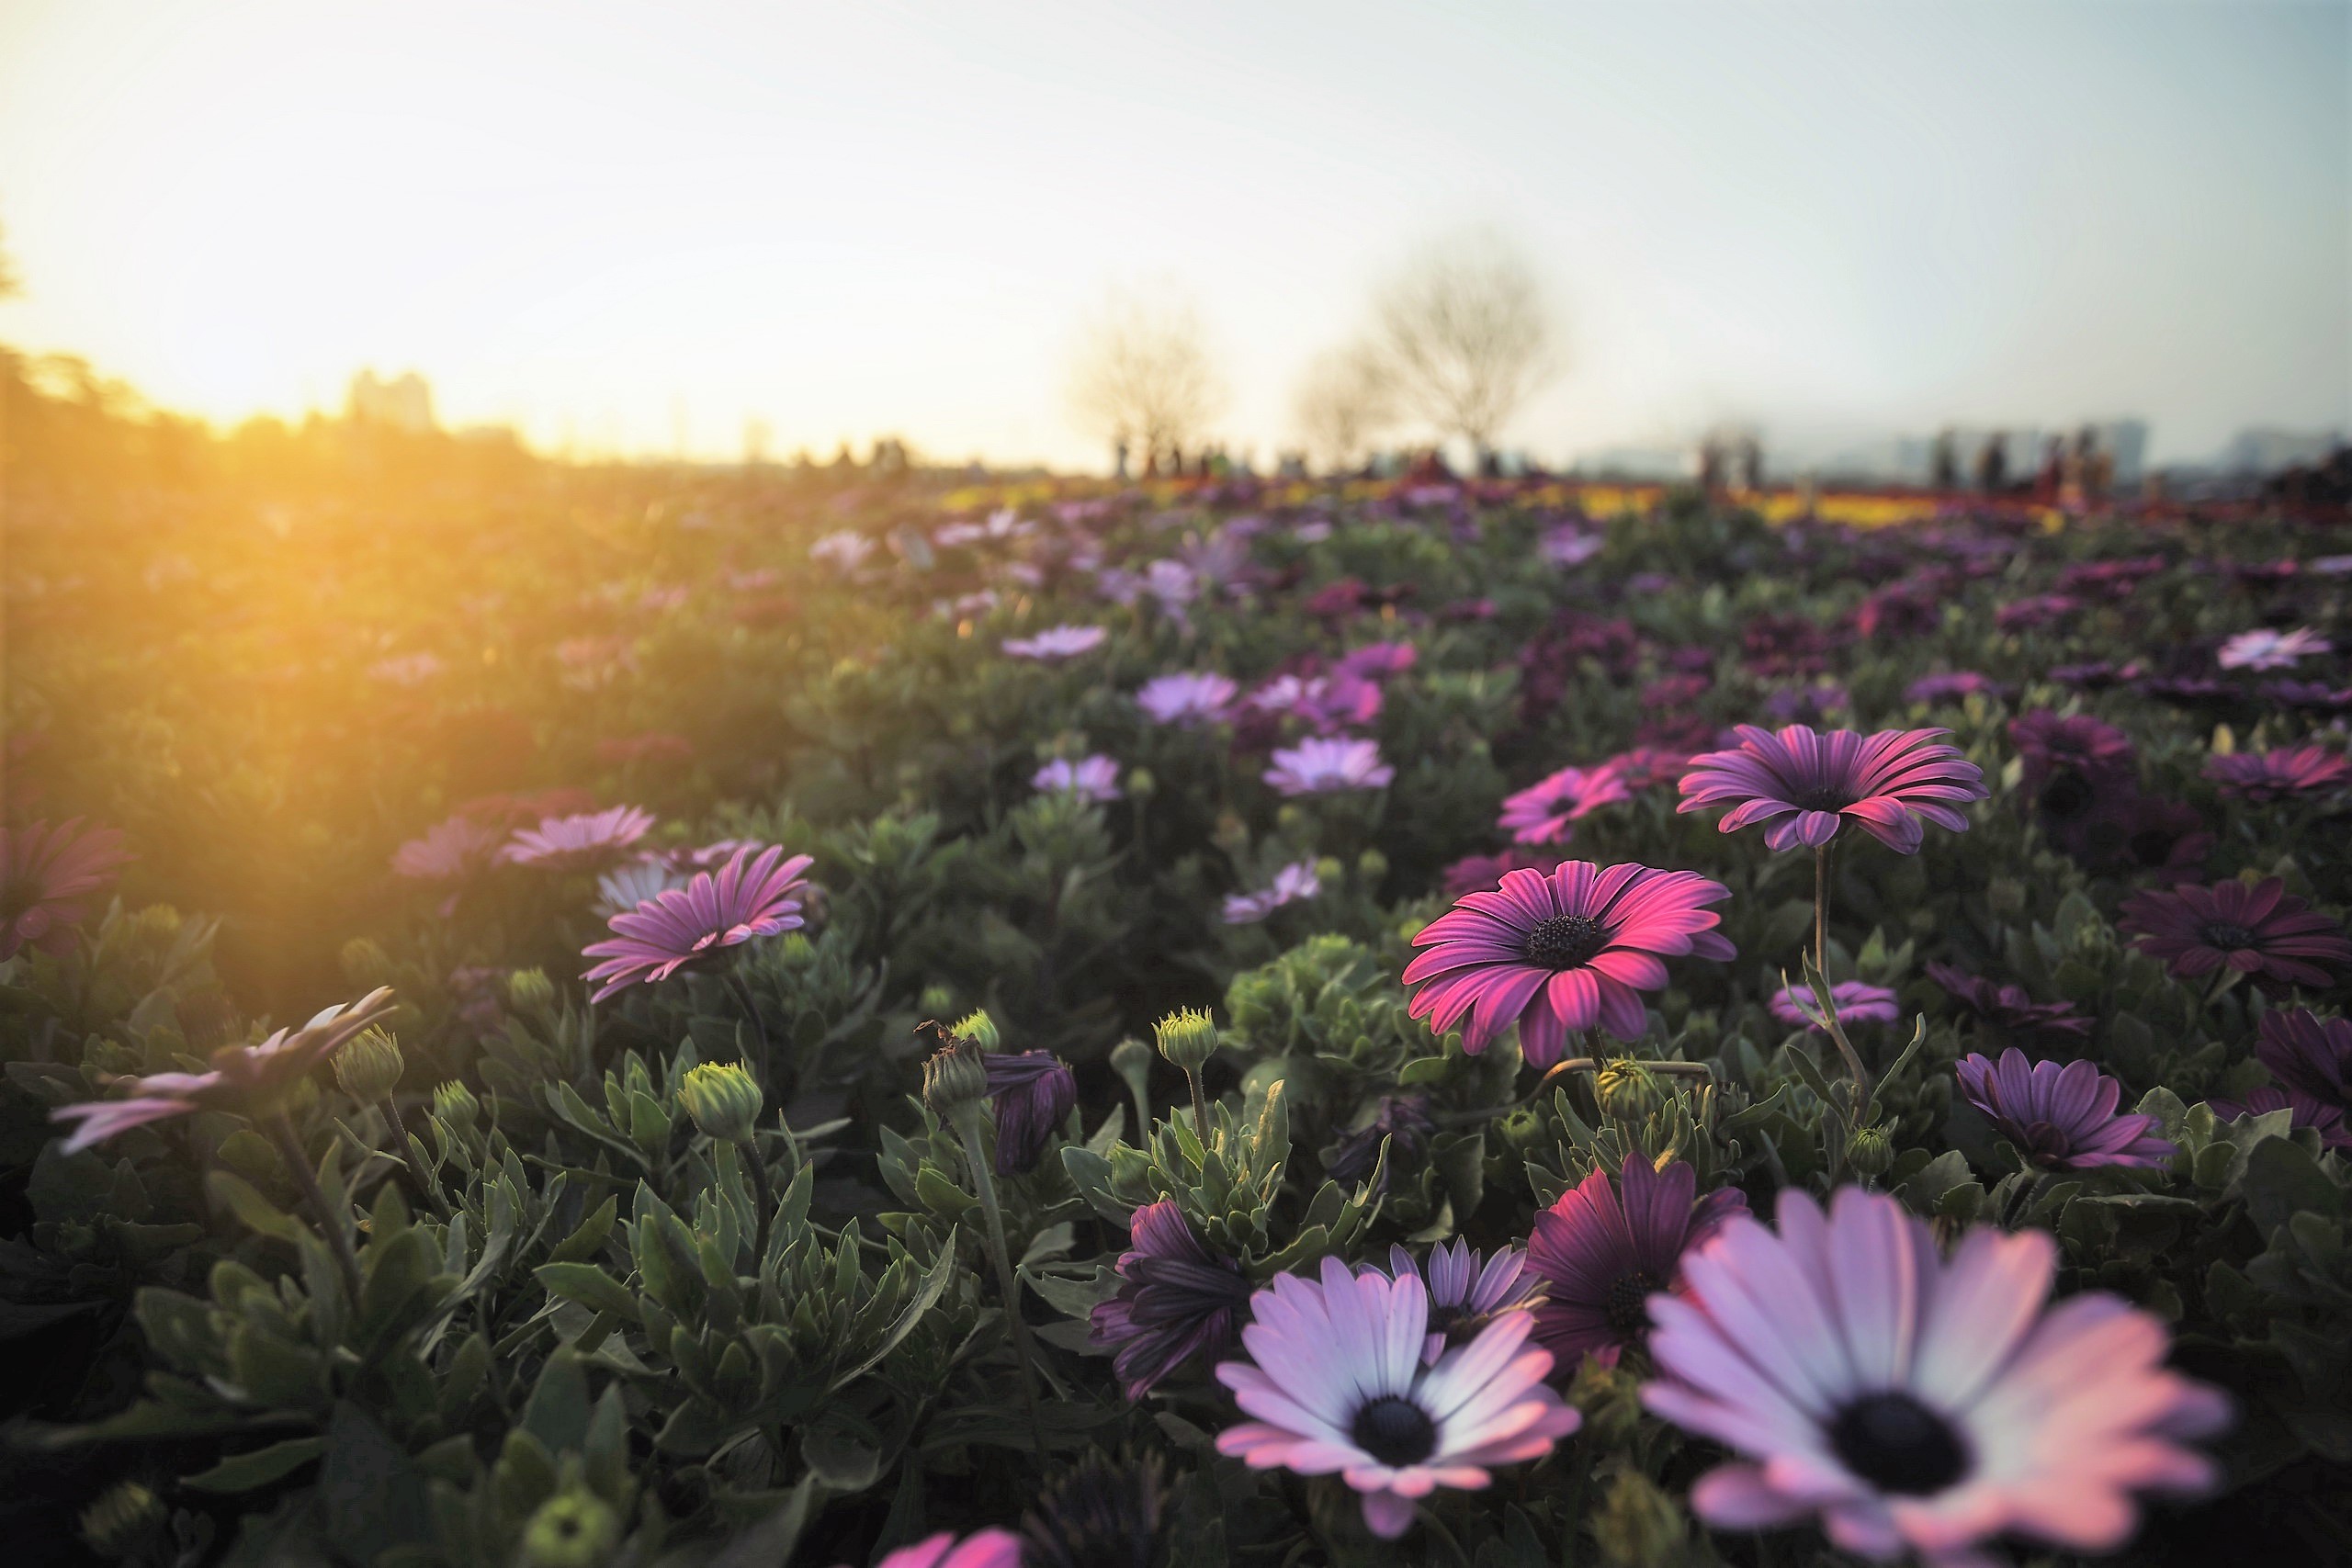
(1638,1525)
(119,1524)
(163,921)
(980,1030)
(1141,785)
(1187,1038)
(573,1529)
(369,1067)
(937,1001)
(456,1104)
(724,1100)
(1870,1151)
(954,1077)
(530,991)
(1372,866)
(796,951)
(365,964)
(1628,1090)
(1131,1059)
(1329,872)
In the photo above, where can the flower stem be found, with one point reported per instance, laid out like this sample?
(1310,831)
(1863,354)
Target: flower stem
(1821,910)
(430,1190)
(763,1195)
(1199,1107)
(1008,1282)
(297,1165)
(759,1029)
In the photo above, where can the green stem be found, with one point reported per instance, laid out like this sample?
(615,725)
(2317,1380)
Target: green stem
(759,1029)
(763,1194)
(297,1165)
(1821,910)
(429,1190)
(1008,1282)
(1199,1107)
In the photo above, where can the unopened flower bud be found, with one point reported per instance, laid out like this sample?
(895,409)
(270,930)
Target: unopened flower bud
(936,1001)
(574,1529)
(160,921)
(366,964)
(796,952)
(456,1104)
(117,1526)
(369,1067)
(953,1078)
(1372,866)
(1131,1059)
(978,1029)
(1141,785)
(1638,1525)
(724,1100)
(1329,872)
(1187,1038)
(1628,1090)
(530,991)
(1870,1151)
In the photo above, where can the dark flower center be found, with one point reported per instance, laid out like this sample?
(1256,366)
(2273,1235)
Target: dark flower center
(2152,846)
(1898,1445)
(1563,942)
(1629,1298)
(1396,1431)
(2227,935)
(1822,797)
(2067,796)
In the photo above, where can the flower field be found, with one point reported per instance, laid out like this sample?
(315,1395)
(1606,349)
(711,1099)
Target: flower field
(578,1016)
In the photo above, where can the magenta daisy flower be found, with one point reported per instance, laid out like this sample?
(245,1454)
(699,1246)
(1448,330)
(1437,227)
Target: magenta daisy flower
(2264,932)
(2310,1055)
(1317,766)
(1601,1257)
(450,851)
(1090,778)
(588,841)
(1806,784)
(1560,954)
(2327,1120)
(1856,1003)
(1542,813)
(1057,643)
(2265,650)
(1292,883)
(2061,1117)
(1915,1404)
(1033,1092)
(46,875)
(981,1549)
(1337,1385)
(1186,698)
(2269,778)
(1176,1300)
(245,1078)
(748,898)
(1466,1291)
(2012,1009)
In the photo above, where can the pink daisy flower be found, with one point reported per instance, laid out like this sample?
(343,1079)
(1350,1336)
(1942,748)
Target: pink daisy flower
(450,851)
(1541,813)
(2262,931)
(1292,883)
(585,842)
(2267,777)
(1560,954)
(1465,1291)
(2061,1117)
(2266,649)
(981,1549)
(749,898)
(1186,698)
(46,875)
(1057,643)
(1323,767)
(1337,1385)
(1856,1002)
(1091,778)
(1806,785)
(1916,1404)
(1602,1256)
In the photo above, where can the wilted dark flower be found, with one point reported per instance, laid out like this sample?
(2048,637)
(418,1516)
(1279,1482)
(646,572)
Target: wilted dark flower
(1402,1121)
(46,873)
(2011,1010)
(2269,778)
(1176,1300)
(1101,1513)
(1604,1248)
(2263,931)
(1033,1092)
(2061,1118)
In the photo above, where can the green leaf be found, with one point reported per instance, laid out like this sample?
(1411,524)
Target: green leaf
(589,1238)
(238,1196)
(590,1286)
(943,1268)
(374,1495)
(2282,1179)
(244,1472)
(557,1412)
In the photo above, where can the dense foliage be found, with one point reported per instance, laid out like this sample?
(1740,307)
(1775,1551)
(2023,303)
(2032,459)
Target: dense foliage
(487,1272)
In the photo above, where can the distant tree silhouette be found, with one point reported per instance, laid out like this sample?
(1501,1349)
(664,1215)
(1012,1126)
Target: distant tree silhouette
(1142,377)
(1465,335)
(1347,397)
(9,285)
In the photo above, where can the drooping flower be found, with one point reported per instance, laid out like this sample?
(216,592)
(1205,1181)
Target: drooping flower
(251,1079)
(1186,698)
(1602,1256)
(1336,1382)
(1090,778)
(586,841)
(1467,1290)
(1104,1512)
(1805,784)
(1542,813)
(1915,1404)
(2283,773)
(1292,883)
(2061,1117)
(47,874)
(2264,932)
(448,851)
(1856,1002)
(1318,766)
(2012,1009)
(1561,952)
(981,1549)
(749,897)
(1176,1300)
(1057,643)
(2327,1120)
(2266,649)
(1033,1092)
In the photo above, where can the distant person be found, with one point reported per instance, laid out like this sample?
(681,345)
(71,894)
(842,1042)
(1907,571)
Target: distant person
(1993,464)
(1122,452)
(1711,466)
(1943,462)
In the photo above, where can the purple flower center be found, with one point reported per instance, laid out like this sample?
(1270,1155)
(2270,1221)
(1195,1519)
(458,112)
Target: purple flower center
(1394,1430)
(1628,1308)
(1564,942)
(2227,935)
(1898,1445)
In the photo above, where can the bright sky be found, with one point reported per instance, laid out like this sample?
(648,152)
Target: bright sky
(609,221)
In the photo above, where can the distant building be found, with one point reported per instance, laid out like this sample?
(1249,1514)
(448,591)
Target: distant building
(403,403)
(2268,450)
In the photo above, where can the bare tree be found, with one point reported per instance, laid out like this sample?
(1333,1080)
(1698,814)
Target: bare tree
(1467,334)
(1346,398)
(1141,378)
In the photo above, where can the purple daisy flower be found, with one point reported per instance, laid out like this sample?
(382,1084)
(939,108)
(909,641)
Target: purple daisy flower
(2327,1120)
(2265,650)
(1856,1003)
(1322,767)
(748,898)
(1805,784)
(587,840)
(2309,696)
(2267,777)
(1561,954)
(2262,931)
(1176,1300)
(2061,1117)
(2011,1010)
(1092,778)
(1542,813)
(1601,1257)
(1033,1092)
(1292,883)
(1186,698)
(450,851)
(1951,686)
(1466,1291)
(46,875)
(1057,643)
(2310,1055)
